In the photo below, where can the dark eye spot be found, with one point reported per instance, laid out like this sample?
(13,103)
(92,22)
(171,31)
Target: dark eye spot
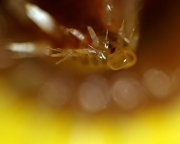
(112,50)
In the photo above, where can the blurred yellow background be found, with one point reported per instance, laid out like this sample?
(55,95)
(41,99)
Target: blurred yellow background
(22,122)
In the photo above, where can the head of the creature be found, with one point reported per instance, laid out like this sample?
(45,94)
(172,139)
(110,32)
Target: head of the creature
(121,59)
(114,48)
(120,56)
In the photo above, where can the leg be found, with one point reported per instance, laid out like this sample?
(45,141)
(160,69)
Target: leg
(64,53)
(67,53)
(56,49)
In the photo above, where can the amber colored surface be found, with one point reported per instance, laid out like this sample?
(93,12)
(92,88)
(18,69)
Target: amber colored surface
(25,120)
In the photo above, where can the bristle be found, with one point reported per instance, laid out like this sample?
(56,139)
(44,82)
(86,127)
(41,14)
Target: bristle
(108,7)
(93,36)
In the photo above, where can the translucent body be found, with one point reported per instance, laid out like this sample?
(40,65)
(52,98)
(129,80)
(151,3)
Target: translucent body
(114,50)
(111,49)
